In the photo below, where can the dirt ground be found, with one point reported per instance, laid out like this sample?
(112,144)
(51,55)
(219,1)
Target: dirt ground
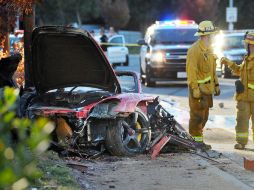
(178,171)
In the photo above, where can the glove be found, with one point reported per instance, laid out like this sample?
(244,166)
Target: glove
(225,61)
(217,90)
(239,87)
(196,93)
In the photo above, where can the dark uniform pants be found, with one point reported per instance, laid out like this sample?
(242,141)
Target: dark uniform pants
(245,111)
(199,112)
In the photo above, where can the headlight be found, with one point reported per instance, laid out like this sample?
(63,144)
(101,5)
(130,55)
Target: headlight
(218,52)
(158,57)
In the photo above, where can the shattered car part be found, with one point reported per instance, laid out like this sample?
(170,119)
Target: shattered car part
(88,105)
(248,164)
(167,131)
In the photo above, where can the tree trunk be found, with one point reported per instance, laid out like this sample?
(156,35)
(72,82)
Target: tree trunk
(29,22)
(6,48)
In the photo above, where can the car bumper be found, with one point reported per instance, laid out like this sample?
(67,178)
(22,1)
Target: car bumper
(165,71)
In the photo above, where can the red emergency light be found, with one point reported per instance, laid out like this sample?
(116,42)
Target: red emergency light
(183,22)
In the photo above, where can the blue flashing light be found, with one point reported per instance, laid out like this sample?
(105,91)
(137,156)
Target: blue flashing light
(176,22)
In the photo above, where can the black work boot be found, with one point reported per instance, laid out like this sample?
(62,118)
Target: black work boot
(204,146)
(207,146)
(239,146)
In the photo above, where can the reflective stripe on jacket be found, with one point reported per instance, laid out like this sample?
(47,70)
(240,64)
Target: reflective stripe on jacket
(242,135)
(251,86)
(204,80)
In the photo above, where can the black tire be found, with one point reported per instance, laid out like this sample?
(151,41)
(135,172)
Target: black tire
(120,143)
(24,102)
(148,82)
(226,73)
(141,73)
(126,63)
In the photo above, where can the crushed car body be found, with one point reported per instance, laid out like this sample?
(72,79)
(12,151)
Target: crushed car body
(92,106)
(76,88)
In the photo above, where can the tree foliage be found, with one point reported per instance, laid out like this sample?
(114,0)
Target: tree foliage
(66,11)
(115,12)
(139,13)
(199,10)
(9,9)
(18,146)
(144,13)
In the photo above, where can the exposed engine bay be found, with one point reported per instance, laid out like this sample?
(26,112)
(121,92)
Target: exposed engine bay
(69,99)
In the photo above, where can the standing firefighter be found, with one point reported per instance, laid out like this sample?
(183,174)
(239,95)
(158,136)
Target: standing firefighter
(202,79)
(244,92)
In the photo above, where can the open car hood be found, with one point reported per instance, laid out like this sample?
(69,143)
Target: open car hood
(65,57)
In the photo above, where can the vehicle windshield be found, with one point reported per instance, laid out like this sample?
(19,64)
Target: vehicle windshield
(233,42)
(127,83)
(174,36)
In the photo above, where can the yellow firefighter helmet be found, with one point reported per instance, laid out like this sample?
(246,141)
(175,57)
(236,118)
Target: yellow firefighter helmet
(205,28)
(249,38)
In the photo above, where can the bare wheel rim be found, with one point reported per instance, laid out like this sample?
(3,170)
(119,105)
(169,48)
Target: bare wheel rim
(135,139)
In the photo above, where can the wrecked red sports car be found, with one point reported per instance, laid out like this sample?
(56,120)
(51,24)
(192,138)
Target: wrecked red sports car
(74,86)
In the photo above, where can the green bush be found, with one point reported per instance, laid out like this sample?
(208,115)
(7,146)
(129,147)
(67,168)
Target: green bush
(18,154)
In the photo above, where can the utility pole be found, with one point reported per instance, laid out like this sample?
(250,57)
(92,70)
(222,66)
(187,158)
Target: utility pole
(29,23)
(231,15)
(231,24)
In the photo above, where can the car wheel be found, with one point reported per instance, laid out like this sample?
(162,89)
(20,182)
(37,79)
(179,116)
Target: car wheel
(124,139)
(148,82)
(25,100)
(226,73)
(126,63)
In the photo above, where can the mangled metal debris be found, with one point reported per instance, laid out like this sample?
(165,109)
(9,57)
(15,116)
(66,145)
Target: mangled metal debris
(248,164)
(167,131)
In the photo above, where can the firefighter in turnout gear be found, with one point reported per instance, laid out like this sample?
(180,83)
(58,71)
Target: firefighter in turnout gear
(244,92)
(202,80)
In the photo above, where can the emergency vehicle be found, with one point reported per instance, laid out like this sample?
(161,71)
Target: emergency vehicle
(164,49)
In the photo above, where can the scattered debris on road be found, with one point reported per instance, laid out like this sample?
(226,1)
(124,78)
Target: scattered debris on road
(248,164)
(166,131)
(78,166)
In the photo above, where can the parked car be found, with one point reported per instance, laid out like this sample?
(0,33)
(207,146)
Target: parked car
(230,45)
(117,53)
(73,85)
(164,49)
